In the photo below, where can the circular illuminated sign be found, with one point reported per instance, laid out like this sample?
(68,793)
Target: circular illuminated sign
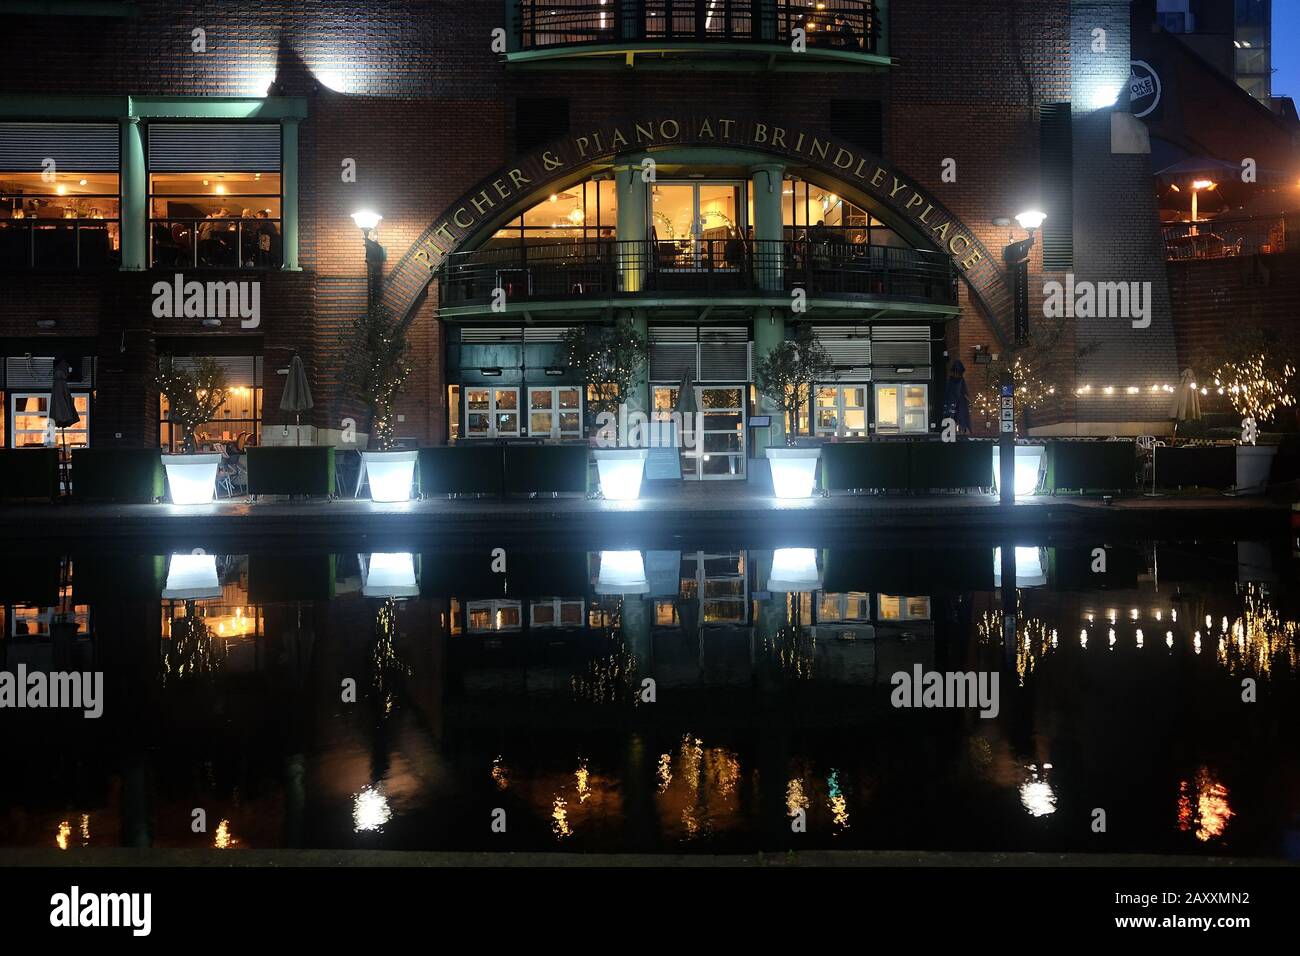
(1144,88)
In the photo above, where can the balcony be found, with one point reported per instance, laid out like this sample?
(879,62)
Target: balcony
(1225,238)
(657,33)
(709,271)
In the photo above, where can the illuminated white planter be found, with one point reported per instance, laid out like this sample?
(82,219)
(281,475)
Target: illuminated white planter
(192,478)
(1030,572)
(620,470)
(1031,461)
(794,471)
(389,575)
(1254,466)
(192,577)
(390,474)
(622,572)
(794,569)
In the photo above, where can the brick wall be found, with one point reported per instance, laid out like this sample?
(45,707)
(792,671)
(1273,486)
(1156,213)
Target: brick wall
(412,92)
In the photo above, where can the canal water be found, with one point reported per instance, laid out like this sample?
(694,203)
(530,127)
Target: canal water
(700,696)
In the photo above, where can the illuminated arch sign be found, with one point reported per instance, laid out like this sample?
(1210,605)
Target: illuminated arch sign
(509,188)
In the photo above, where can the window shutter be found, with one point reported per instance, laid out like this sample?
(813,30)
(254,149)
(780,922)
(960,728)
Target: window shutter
(242,371)
(1056,159)
(75,147)
(860,123)
(214,147)
(673,353)
(538,120)
(37,372)
(849,348)
(724,355)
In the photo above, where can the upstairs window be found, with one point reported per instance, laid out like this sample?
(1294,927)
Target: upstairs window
(214,196)
(59,196)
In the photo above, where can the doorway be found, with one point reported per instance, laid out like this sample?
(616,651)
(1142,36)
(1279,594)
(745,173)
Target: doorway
(694,222)
(718,452)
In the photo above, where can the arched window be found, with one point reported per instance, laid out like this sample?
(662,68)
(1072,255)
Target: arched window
(585,211)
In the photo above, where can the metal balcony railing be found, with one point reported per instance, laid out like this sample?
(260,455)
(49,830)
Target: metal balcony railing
(851,25)
(606,268)
(57,244)
(1225,238)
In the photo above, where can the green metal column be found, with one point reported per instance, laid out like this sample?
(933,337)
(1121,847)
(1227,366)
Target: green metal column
(766,183)
(289,189)
(134,217)
(639,399)
(632,198)
(882,15)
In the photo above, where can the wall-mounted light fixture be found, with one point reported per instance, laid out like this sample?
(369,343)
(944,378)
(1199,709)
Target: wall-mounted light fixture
(492,370)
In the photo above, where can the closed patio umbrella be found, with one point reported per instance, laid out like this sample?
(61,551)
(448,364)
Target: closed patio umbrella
(63,410)
(1187,401)
(686,408)
(297,394)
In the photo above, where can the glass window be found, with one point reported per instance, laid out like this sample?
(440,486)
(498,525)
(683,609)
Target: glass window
(842,410)
(30,425)
(238,421)
(67,220)
(807,206)
(584,212)
(215,220)
(896,607)
(488,616)
(902,409)
(557,612)
(555,413)
(491,412)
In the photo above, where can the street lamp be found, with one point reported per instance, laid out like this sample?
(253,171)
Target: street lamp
(1016,256)
(1197,186)
(1030,220)
(368,222)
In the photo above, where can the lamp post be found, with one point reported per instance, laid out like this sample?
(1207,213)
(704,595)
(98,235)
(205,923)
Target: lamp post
(1016,256)
(368,222)
(1197,186)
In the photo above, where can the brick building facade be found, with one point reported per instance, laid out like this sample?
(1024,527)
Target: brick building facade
(950,98)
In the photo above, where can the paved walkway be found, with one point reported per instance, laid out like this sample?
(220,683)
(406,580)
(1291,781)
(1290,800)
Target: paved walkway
(695,507)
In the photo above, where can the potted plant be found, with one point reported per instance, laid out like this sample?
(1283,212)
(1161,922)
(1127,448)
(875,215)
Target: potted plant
(193,397)
(786,375)
(610,359)
(375,370)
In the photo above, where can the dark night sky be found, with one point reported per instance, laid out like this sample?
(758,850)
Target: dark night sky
(1286,48)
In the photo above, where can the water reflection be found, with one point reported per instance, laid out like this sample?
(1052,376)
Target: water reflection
(633,698)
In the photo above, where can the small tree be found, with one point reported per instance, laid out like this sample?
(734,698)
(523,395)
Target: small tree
(375,369)
(788,373)
(1256,386)
(609,358)
(193,396)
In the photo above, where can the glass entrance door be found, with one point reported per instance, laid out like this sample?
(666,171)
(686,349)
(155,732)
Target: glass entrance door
(717,453)
(555,414)
(491,412)
(696,225)
(720,452)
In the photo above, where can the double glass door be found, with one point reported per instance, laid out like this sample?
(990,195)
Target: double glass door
(553,413)
(698,225)
(713,442)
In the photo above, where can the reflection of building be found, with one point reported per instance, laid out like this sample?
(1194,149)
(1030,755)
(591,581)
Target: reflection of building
(810,164)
